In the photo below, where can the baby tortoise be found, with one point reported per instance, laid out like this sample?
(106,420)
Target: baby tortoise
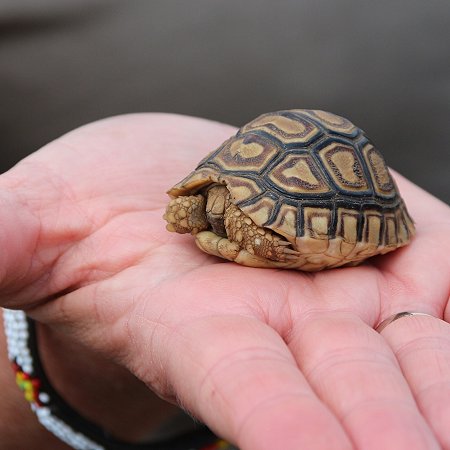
(299,189)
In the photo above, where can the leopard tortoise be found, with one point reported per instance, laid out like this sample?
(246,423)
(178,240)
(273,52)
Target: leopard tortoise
(296,189)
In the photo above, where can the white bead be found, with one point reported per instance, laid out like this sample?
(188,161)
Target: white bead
(44,397)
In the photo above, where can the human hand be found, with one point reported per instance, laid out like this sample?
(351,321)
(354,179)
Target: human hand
(268,359)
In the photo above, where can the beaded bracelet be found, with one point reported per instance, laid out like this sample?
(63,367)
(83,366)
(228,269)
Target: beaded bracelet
(58,417)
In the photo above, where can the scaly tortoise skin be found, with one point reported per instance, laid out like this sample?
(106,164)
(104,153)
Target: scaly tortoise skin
(298,189)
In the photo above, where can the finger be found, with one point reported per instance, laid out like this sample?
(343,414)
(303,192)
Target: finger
(422,347)
(353,370)
(423,206)
(237,375)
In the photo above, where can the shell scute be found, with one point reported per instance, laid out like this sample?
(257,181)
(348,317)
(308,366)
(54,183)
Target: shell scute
(249,152)
(381,178)
(332,122)
(285,126)
(344,166)
(296,174)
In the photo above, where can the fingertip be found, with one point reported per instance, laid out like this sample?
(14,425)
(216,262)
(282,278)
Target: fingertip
(423,206)
(157,125)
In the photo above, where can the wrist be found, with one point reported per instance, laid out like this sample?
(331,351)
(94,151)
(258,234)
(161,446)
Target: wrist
(100,390)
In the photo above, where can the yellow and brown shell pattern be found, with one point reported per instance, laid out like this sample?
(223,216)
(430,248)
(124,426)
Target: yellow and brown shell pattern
(314,178)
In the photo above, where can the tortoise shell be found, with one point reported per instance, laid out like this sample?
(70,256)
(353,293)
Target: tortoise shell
(314,178)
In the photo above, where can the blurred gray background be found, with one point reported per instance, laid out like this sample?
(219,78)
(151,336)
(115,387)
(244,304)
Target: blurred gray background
(385,65)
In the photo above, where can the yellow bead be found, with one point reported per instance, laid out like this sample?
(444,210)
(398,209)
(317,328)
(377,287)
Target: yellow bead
(29,396)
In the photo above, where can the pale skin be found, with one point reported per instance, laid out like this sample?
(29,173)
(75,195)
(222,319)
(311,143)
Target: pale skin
(267,358)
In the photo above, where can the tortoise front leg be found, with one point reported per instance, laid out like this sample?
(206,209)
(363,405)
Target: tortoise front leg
(186,214)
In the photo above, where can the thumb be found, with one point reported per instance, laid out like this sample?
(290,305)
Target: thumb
(19,235)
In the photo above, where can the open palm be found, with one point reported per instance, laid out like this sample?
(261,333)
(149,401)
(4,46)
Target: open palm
(269,359)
